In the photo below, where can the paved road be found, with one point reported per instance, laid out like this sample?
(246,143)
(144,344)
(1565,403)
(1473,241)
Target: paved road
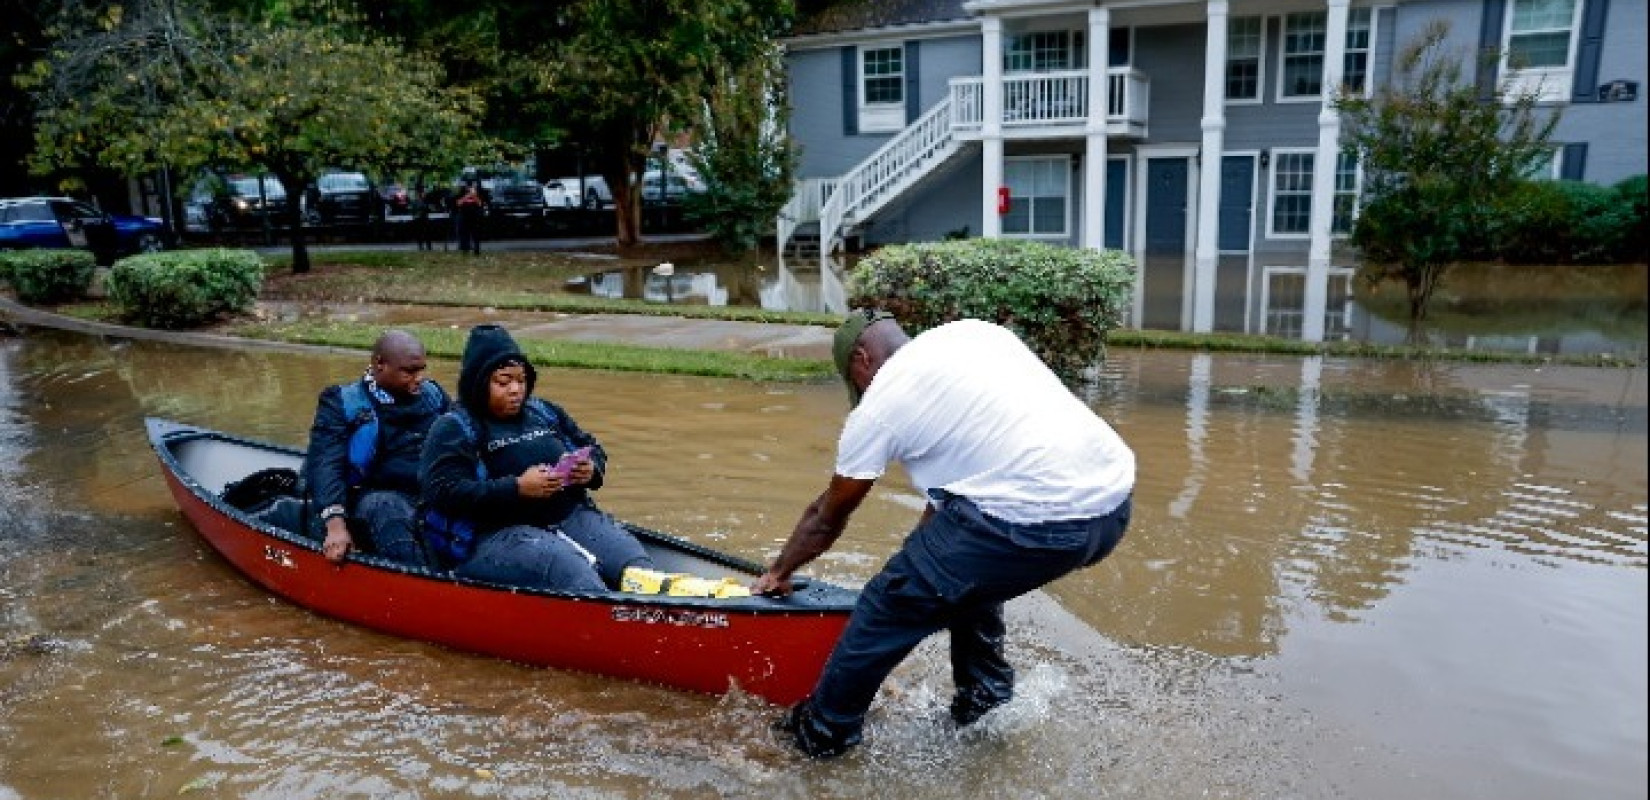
(503,245)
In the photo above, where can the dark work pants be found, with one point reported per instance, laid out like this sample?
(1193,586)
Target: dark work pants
(953,573)
(385,518)
(524,555)
(389,519)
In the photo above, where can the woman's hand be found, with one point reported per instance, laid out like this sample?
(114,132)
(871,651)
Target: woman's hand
(538,481)
(582,472)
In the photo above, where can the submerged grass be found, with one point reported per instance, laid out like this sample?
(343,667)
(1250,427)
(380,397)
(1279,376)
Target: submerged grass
(445,342)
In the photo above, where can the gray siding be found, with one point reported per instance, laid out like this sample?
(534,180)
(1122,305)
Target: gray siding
(1383,48)
(816,99)
(1614,132)
(936,207)
(1464,18)
(944,59)
(1172,56)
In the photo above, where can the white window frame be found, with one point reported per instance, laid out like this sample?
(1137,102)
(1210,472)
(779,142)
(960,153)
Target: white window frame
(883,117)
(1368,50)
(1555,166)
(1076,50)
(1284,55)
(1546,83)
(1336,325)
(1063,163)
(1355,191)
(1260,65)
(1272,191)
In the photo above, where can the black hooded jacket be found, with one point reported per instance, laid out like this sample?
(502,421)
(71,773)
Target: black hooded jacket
(505,447)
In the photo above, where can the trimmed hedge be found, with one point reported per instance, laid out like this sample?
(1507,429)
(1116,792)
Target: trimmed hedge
(48,276)
(185,288)
(1060,300)
(1564,222)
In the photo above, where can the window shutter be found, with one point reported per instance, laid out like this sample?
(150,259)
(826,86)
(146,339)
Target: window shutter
(1588,50)
(1574,167)
(1489,46)
(913,103)
(850,90)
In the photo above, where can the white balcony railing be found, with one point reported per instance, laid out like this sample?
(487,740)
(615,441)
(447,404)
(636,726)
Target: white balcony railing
(1053,99)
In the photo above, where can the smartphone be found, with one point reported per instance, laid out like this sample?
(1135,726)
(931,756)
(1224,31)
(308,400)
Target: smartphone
(564,466)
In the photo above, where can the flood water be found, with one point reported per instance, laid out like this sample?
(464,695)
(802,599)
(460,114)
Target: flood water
(1535,310)
(1345,579)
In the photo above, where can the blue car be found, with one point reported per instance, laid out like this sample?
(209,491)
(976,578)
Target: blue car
(55,222)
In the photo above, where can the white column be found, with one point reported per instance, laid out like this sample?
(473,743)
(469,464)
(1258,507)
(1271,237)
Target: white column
(1094,157)
(1208,190)
(991,56)
(1323,176)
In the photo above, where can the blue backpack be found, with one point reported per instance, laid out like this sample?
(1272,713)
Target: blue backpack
(453,539)
(362,414)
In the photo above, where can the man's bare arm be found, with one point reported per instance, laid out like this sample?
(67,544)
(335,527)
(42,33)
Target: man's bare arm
(821,523)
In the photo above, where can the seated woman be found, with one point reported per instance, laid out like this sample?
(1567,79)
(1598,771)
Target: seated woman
(502,512)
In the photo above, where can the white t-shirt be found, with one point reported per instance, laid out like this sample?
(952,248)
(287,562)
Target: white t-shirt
(968,408)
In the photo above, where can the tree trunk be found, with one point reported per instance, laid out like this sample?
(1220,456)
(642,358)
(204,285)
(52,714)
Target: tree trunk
(627,214)
(295,216)
(1419,283)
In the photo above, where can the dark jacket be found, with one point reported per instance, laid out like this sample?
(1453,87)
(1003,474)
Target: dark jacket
(505,447)
(402,427)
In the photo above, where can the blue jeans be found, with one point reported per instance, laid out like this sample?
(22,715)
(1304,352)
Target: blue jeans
(384,518)
(389,520)
(524,555)
(953,573)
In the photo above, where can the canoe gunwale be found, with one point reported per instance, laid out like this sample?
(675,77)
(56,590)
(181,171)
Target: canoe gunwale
(165,434)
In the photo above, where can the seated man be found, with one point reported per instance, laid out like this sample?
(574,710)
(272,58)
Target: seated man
(364,447)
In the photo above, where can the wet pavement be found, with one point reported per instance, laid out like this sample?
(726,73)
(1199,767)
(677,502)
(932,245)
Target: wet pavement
(760,338)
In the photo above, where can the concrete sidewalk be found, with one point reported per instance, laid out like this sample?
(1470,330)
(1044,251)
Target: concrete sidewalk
(761,338)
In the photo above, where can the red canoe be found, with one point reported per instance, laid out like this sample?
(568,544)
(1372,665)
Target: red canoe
(772,648)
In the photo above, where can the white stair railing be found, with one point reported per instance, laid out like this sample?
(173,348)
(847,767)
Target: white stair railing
(801,209)
(882,176)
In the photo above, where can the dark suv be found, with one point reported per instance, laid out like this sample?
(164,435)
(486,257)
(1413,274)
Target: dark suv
(235,202)
(507,193)
(341,198)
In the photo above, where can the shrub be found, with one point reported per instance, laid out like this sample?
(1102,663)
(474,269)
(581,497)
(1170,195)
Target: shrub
(48,276)
(184,288)
(1561,222)
(1060,300)
(1632,196)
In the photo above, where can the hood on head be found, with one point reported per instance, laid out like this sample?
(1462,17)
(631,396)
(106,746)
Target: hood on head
(488,347)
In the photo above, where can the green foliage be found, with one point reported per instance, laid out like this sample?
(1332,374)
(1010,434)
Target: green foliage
(171,84)
(48,276)
(744,155)
(1060,300)
(634,73)
(1633,195)
(1562,222)
(1437,159)
(183,289)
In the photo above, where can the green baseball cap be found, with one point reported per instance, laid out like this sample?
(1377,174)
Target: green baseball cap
(842,348)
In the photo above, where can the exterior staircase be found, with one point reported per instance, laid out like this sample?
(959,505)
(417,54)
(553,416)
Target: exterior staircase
(838,205)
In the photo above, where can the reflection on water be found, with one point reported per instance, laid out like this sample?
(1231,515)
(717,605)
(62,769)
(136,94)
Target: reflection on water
(778,285)
(1345,578)
(1574,311)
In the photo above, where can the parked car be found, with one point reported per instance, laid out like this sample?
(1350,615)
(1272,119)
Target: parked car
(666,192)
(569,192)
(341,198)
(234,202)
(60,222)
(397,199)
(513,195)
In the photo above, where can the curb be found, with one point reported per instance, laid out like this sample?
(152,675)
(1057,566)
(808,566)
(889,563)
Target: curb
(18,314)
